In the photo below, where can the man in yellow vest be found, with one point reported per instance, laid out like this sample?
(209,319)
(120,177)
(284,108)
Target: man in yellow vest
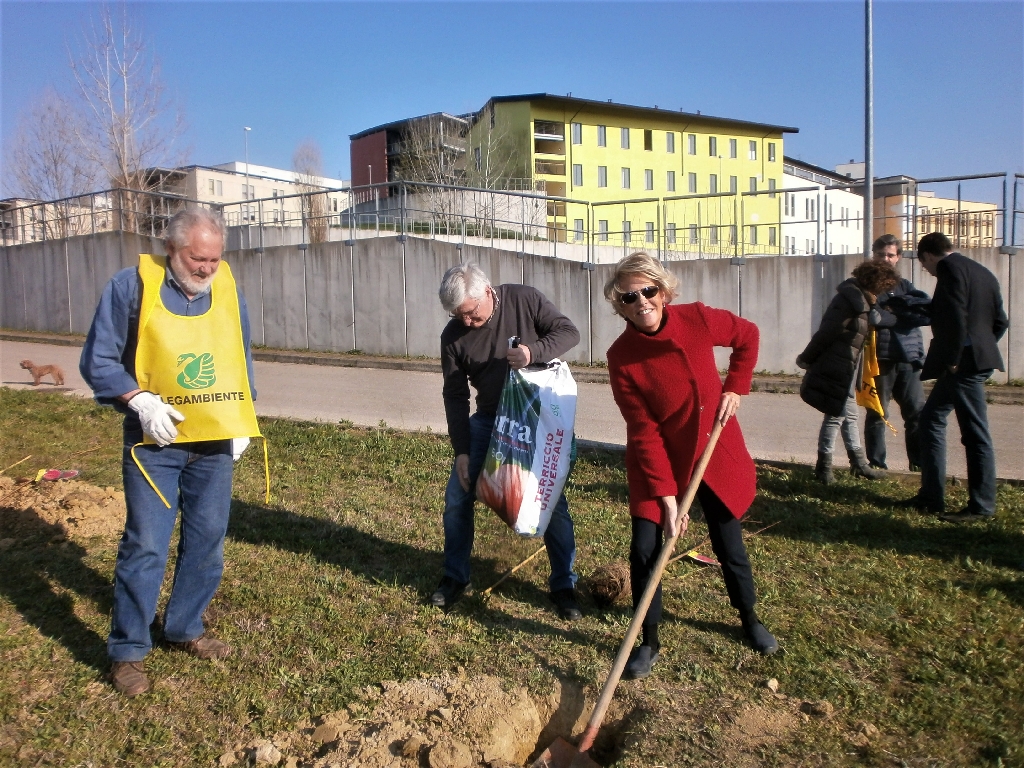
(169,348)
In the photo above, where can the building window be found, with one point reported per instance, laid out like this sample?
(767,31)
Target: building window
(220,187)
(670,232)
(713,235)
(733,185)
(648,179)
(771,188)
(732,148)
(602,230)
(275,216)
(771,151)
(753,183)
(577,175)
(753,150)
(602,175)
(691,141)
(693,183)
(713,183)
(577,227)
(670,142)
(577,133)
(649,231)
(274,193)
(212,187)
(477,159)
(693,234)
(492,115)
(670,181)
(771,236)
(713,146)
(648,140)
(753,234)
(624,137)
(602,136)
(625,178)
(627,232)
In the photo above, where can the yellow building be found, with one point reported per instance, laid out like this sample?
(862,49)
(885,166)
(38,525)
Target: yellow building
(654,177)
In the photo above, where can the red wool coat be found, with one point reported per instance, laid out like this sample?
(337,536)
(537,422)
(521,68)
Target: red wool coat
(668,389)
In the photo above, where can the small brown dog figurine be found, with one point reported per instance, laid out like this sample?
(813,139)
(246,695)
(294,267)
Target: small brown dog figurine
(38,371)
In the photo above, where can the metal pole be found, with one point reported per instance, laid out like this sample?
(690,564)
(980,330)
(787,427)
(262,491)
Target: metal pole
(827,216)
(1013,217)
(869,129)
(1006,223)
(958,215)
(245,210)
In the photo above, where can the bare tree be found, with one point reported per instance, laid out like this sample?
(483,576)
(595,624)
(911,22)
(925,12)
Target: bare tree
(308,164)
(44,160)
(129,124)
(433,150)
(45,164)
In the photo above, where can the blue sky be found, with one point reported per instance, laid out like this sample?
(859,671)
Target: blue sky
(949,76)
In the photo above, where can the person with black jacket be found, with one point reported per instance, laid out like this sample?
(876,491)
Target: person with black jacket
(967,322)
(900,348)
(832,360)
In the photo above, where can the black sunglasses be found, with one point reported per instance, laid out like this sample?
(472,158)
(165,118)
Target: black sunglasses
(648,293)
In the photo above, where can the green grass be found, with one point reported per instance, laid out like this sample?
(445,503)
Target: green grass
(899,620)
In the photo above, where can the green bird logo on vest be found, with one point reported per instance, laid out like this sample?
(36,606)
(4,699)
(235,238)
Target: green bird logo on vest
(197,372)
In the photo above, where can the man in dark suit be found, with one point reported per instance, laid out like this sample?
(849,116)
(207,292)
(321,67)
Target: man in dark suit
(967,322)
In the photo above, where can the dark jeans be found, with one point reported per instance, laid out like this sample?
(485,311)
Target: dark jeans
(726,541)
(963,392)
(899,382)
(195,478)
(459,523)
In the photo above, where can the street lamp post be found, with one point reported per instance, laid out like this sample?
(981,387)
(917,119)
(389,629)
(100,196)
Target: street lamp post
(869,130)
(245,133)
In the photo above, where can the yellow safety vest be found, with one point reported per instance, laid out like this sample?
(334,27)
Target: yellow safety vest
(867,393)
(196,363)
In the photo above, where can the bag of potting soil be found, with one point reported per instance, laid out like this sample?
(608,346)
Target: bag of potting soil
(532,447)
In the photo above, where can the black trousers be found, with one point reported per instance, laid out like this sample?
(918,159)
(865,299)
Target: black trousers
(727,543)
(899,382)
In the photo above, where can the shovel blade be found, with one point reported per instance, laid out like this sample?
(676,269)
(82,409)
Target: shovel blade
(562,754)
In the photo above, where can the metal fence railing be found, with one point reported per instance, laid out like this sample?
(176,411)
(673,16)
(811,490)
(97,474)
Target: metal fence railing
(814,218)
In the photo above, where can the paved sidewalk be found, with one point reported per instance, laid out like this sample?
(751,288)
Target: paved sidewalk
(778,427)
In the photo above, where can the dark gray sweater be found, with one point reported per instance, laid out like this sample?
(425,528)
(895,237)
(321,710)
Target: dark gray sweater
(477,356)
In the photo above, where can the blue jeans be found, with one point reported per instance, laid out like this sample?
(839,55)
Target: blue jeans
(964,392)
(902,383)
(458,518)
(195,477)
(847,423)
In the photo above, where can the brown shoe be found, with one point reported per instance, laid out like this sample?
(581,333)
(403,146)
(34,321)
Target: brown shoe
(205,647)
(129,677)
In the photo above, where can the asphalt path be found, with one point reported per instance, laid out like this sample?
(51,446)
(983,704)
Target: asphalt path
(779,427)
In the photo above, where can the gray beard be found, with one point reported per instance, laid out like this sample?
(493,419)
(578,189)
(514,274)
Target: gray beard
(191,285)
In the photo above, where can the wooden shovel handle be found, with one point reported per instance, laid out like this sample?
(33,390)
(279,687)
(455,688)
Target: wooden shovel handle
(608,691)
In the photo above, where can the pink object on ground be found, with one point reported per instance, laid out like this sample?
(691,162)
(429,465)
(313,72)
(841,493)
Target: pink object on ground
(57,474)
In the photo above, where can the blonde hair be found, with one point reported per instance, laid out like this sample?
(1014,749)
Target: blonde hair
(644,265)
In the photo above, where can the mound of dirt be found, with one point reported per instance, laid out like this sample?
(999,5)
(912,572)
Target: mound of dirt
(440,722)
(75,509)
(753,728)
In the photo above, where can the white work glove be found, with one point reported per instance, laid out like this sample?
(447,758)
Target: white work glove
(238,446)
(157,417)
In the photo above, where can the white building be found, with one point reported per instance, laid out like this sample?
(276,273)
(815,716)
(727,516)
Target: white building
(826,219)
(232,184)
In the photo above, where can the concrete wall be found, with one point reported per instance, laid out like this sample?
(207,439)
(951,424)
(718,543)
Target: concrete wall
(380,294)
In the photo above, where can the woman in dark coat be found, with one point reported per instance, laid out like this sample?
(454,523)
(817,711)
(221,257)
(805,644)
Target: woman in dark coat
(666,384)
(832,359)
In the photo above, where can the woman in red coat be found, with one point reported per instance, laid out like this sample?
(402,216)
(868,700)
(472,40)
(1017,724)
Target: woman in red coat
(665,382)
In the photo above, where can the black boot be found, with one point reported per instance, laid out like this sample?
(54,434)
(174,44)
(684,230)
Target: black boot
(859,466)
(757,635)
(823,469)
